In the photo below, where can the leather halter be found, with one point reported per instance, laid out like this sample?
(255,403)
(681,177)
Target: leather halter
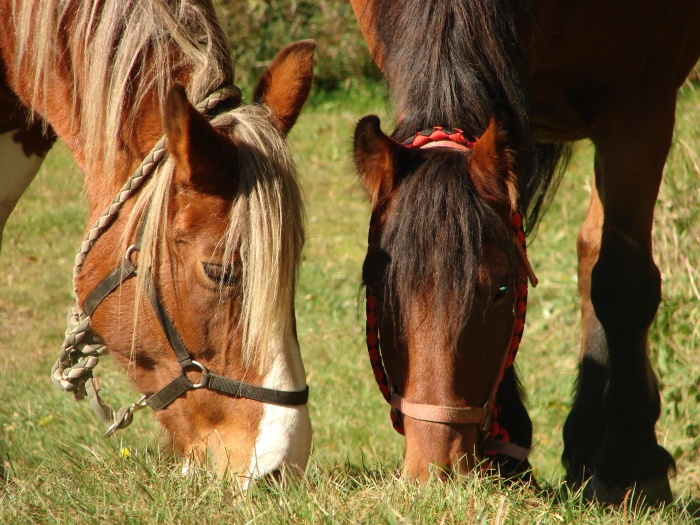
(181,384)
(497,440)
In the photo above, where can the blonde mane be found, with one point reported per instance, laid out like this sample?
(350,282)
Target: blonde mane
(118,54)
(266,228)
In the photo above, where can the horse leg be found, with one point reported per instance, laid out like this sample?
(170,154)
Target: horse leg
(22,152)
(584,428)
(625,291)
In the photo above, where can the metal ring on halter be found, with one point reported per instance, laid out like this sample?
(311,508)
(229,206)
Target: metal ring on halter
(131,249)
(141,403)
(204,381)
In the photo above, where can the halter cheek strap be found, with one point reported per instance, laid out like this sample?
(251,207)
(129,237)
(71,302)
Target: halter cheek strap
(497,440)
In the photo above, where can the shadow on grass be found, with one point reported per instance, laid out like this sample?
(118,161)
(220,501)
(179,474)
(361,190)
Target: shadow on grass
(692,508)
(6,467)
(562,494)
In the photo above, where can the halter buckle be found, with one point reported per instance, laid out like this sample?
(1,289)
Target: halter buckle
(486,425)
(125,420)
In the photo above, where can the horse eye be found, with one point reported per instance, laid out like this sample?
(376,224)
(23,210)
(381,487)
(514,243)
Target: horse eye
(500,294)
(219,274)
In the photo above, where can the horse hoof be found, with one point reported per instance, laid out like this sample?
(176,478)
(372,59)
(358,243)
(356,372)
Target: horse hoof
(653,492)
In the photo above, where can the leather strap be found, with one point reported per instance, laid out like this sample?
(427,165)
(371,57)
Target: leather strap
(440,414)
(236,388)
(507,448)
(116,277)
(169,392)
(225,385)
(111,282)
(444,144)
(171,333)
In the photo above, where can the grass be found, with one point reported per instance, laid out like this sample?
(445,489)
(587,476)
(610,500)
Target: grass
(62,471)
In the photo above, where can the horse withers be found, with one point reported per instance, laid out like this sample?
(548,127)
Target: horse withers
(188,275)
(487,94)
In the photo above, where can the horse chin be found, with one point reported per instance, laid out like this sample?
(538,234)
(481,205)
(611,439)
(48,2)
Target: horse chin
(439,451)
(285,448)
(276,456)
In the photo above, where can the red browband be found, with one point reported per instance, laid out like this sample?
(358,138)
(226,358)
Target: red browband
(497,440)
(435,137)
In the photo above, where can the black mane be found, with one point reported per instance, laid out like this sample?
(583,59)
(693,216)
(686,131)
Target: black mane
(434,237)
(451,63)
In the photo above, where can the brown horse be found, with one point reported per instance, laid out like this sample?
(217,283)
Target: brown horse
(207,330)
(447,288)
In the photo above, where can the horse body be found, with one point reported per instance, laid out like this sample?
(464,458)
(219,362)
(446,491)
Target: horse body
(524,79)
(220,223)
(582,77)
(24,147)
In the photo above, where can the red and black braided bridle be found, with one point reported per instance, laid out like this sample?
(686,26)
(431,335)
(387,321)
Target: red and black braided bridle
(496,438)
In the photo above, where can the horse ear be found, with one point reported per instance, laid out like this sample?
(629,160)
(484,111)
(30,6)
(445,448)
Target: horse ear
(204,156)
(286,83)
(378,158)
(493,164)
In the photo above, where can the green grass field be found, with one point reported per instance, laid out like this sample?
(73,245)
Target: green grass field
(61,470)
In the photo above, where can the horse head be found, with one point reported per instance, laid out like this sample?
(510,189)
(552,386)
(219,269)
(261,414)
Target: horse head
(217,242)
(444,283)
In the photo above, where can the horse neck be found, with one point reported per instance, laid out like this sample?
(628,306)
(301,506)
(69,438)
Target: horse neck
(445,67)
(134,142)
(54,106)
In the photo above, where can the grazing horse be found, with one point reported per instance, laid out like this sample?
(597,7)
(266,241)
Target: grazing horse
(487,95)
(206,330)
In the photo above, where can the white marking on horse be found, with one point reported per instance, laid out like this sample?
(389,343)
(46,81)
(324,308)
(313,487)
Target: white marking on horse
(284,434)
(18,172)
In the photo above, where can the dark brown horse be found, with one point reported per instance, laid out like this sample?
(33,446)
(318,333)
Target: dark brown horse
(445,283)
(213,233)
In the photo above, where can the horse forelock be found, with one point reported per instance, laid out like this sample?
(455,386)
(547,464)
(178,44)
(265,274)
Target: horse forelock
(265,232)
(267,224)
(434,239)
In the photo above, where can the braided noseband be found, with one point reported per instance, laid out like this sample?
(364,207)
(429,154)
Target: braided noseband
(73,370)
(496,438)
